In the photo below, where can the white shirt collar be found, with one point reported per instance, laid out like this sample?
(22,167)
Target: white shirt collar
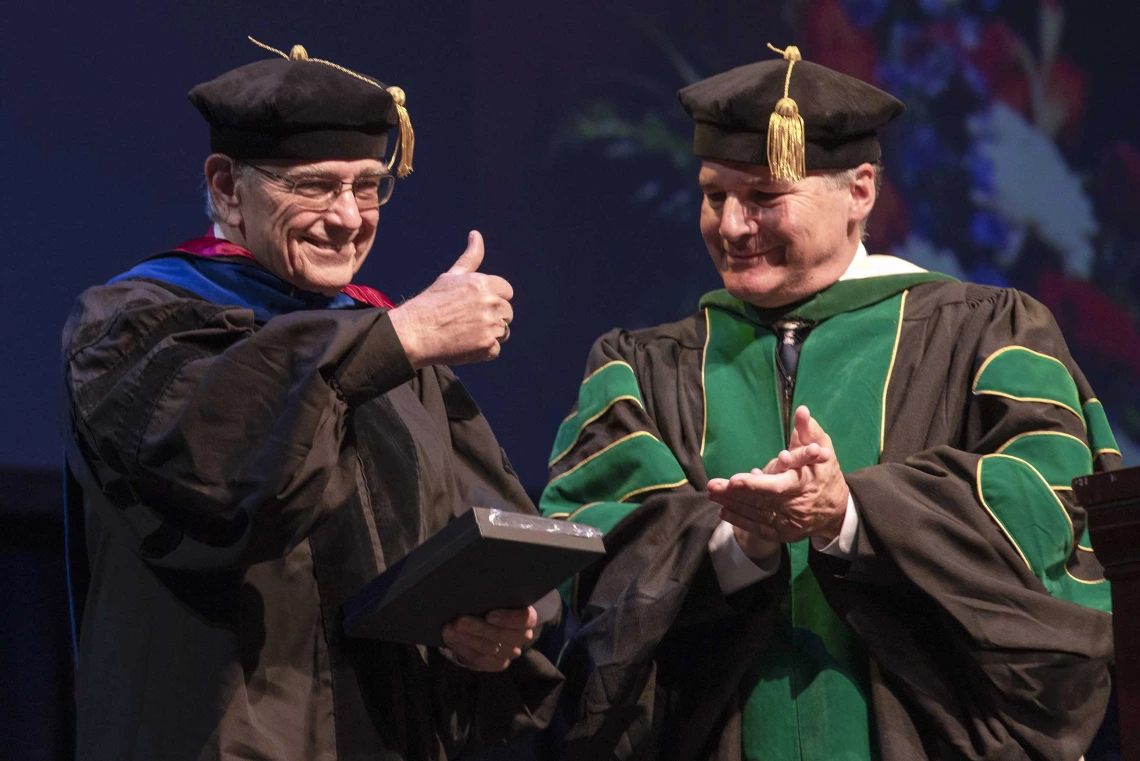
(852,268)
(863,266)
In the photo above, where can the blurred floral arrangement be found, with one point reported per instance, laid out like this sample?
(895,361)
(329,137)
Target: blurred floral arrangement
(979,181)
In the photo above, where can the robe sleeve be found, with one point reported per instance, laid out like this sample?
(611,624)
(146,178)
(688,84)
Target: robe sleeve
(211,442)
(974,586)
(486,709)
(646,608)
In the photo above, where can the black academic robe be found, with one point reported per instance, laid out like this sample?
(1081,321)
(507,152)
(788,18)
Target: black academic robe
(973,590)
(240,481)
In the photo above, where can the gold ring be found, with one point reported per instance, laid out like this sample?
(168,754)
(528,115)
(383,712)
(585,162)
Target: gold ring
(506,333)
(498,648)
(771,518)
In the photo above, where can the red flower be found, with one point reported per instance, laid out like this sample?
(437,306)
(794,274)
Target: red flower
(997,58)
(1081,310)
(831,40)
(890,224)
(1066,90)
(1117,187)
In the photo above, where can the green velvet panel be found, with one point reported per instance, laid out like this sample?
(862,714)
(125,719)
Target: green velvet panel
(605,387)
(1024,375)
(809,688)
(1031,515)
(1058,457)
(1100,433)
(629,467)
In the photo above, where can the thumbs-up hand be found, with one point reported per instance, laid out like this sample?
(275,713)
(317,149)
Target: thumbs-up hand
(462,317)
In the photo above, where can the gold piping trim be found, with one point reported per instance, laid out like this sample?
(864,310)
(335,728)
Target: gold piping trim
(1084,581)
(982,499)
(582,427)
(1057,499)
(1054,402)
(568,417)
(890,371)
(655,487)
(558,516)
(603,367)
(587,506)
(1003,447)
(704,386)
(1036,472)
(1107,450)
(601,452)
(1086,549)
(1090,400)
(1003,350)
(1016,546)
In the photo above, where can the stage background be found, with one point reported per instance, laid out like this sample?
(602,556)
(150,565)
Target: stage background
(554,129)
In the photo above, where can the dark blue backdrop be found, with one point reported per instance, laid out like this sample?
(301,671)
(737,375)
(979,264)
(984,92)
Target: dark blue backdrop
(552,128)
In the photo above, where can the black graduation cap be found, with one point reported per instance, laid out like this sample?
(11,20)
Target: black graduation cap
(791,115)
(308,109)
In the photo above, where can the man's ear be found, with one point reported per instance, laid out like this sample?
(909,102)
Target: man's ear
(862,192)
(220,171)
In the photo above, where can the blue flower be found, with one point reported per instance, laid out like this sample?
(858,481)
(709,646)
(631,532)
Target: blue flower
(937,8)
(864,13)
(981,171)
(969,32)
(922,150)
(975,80)
(922,218)
(989,230)
(987,274)
(935,69)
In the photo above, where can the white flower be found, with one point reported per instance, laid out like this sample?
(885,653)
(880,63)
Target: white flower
(1033,188)
(922,252)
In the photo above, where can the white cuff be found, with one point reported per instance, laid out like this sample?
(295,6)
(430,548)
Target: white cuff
(734,569)
(842,546)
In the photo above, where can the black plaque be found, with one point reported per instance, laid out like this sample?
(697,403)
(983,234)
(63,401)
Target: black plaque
(483,560)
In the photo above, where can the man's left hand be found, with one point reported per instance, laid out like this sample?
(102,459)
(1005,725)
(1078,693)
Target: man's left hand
(490,643)
(799,494)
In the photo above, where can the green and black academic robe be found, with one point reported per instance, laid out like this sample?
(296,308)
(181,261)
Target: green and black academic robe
(972,621)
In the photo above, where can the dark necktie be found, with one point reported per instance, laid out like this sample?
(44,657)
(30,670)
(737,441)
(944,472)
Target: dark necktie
(790,334)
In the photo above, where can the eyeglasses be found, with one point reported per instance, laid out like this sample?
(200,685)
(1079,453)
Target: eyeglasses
(320,193)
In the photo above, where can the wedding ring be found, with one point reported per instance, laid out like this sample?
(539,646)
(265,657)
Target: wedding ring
(771,518)
(498,648)
(506,333)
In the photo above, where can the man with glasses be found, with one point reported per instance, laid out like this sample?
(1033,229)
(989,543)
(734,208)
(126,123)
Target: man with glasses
(255,437)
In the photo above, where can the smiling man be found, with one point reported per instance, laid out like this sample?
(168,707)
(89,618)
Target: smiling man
(255,437)
(836,498)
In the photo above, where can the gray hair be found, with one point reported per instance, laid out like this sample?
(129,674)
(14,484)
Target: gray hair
(845,177)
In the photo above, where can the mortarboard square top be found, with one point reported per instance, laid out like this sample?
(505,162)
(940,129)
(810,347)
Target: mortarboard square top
(841,114)
(304,109)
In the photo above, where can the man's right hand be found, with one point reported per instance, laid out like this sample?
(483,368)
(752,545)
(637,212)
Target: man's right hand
(459,318)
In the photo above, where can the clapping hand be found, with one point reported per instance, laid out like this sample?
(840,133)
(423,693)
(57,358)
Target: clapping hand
(800,493)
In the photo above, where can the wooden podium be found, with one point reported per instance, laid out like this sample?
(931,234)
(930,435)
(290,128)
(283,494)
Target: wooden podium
(1113,504)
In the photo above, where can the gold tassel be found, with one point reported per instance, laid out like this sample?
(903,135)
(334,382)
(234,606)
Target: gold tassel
(405,142)
(786,129)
